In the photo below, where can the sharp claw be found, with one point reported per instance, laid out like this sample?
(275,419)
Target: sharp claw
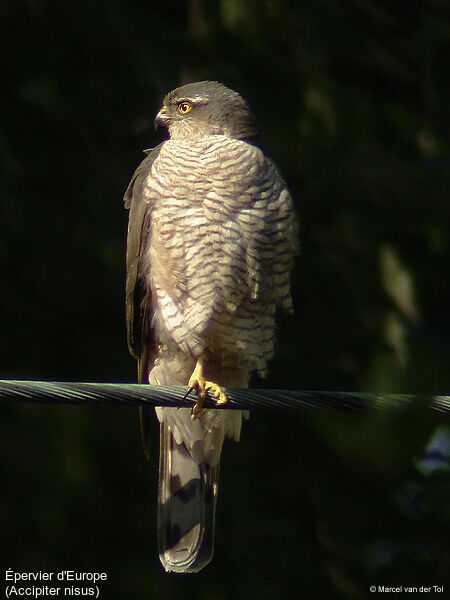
(200,385)
(195,412)
(190,390)
(221,399)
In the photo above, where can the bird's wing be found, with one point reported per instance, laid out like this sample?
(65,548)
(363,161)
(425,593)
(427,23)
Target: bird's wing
(140,338)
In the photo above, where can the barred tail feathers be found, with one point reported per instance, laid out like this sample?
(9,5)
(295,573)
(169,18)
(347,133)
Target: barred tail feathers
(186,507)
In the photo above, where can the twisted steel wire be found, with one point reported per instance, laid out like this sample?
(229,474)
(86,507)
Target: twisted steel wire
(247,399)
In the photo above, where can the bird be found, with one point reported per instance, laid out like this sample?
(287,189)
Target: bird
(212,238)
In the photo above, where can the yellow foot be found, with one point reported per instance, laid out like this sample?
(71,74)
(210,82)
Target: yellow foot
(198,383)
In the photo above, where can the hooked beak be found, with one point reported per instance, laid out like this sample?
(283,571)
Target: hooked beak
(162,118)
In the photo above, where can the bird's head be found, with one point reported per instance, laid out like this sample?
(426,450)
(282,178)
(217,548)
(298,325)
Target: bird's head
(206,108)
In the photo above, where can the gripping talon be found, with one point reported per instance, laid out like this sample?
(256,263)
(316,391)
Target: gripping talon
(190,390)
(198,382)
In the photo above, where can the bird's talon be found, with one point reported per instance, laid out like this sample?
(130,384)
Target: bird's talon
(198,383)
(191,388)
(219,394)
(196,410)
(222,398)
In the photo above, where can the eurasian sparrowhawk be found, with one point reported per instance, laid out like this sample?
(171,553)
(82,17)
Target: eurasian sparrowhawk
(211,243)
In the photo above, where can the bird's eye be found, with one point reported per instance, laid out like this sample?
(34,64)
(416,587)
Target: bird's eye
(184,107)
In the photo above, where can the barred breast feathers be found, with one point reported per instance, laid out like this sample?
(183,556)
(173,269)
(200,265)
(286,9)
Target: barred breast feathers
(223,233)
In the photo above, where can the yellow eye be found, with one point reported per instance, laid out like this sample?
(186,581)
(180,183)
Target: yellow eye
(184,107)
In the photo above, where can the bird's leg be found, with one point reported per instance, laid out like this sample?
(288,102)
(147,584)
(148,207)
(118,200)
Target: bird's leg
(198,383)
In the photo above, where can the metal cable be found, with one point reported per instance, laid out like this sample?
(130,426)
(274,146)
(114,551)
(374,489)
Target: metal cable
(248,399)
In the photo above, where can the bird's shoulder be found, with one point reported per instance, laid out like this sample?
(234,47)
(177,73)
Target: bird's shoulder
(141,173)
(218,162)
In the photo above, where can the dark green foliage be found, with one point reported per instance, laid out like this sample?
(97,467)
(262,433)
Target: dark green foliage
(352,98)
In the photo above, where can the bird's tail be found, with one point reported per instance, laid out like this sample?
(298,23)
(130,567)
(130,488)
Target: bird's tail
(186,505)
